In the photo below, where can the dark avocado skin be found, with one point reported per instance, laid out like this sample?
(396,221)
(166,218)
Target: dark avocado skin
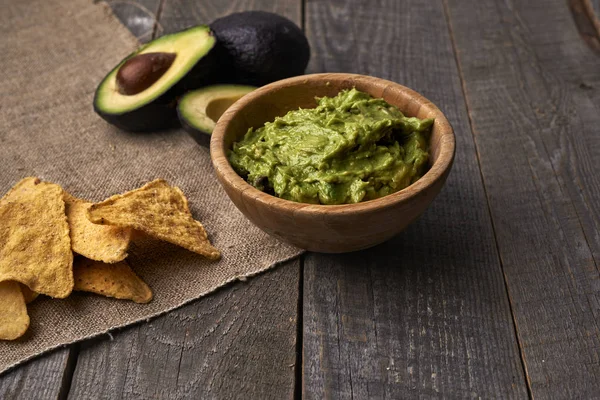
(260,47)
(157,115)
(161,113)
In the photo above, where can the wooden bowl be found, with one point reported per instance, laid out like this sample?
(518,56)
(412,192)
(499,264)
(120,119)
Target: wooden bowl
(329,228)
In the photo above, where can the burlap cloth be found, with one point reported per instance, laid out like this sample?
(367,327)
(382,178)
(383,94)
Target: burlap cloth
(53,54)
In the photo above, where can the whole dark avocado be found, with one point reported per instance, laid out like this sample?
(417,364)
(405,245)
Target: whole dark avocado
(140,93)
(260,47)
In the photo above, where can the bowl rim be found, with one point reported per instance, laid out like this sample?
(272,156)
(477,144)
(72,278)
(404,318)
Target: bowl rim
(438,170)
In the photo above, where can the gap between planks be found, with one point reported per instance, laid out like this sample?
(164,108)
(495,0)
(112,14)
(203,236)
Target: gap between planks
(159,10)
(299,367)
(67,378)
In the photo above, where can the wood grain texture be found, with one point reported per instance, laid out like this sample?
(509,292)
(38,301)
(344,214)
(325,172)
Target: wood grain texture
(239,342)
(179,14)
(329,228)
(533,91)
(42,378)
(425,314)
(139,16)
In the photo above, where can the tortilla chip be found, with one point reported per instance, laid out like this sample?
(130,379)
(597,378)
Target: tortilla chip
(28,294)
(160,211)
(14,320)
(21,187)
(96,242)
(35,248)
(110,280)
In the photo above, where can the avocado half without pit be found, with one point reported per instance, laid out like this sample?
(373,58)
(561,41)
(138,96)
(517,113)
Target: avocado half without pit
(140,93)
(199,110)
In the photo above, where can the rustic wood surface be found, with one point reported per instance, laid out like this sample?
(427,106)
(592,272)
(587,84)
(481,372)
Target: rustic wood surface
(425,314)
(139,17)
(533,93)
(493,293)
(45,378)
(179,14)
(240,341)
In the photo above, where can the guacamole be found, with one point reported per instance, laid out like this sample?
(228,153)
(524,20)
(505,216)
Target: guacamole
(348,149)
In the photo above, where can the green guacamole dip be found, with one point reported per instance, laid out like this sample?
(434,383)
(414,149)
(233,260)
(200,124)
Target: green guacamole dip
(348,149)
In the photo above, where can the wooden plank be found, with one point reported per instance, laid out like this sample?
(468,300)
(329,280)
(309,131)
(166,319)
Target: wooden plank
(533,92)
(138,16)
(240,341)
(46,377)
(179,14)
(425,314)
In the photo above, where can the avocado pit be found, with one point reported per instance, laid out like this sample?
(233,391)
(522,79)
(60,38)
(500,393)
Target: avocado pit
(142,71)
(143,97)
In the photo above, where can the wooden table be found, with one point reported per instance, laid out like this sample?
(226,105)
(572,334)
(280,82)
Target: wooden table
(493,293)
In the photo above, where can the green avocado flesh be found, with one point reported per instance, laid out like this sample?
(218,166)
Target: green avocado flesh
(350,148)
(201,109)
(190,47)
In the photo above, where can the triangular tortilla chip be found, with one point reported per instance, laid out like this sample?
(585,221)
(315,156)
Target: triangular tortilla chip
(35,247)
(96,242)
(160,211)
(28,294)
(14,320)
(110,280)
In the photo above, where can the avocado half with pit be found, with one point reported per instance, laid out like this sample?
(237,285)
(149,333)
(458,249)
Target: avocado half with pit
(140,94)
(260,47)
